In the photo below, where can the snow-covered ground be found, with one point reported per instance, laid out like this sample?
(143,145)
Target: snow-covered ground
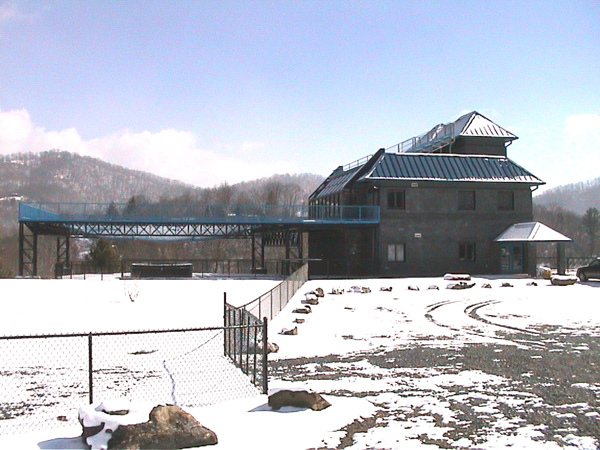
(428,368)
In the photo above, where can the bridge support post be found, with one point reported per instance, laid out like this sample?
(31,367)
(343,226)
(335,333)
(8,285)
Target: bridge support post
(27,251)
(62,255)
(258,252)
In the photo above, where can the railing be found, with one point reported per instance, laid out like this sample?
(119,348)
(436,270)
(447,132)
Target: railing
(192,213)
(359,162)
(437,137)
(46,378)
(572,262)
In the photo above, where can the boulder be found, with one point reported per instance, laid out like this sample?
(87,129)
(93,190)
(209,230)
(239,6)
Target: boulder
(460,285)
(305,310)
(386,289)
(169,427)
(311,301)
(288,332)
(165,427)
(299,399)
(457,277)
(563,280)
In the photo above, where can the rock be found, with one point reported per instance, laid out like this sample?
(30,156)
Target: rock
(336,291)
(304,310)
(166,427)
(544,272)
(386,289)
(457,277)
(297,320)
(311,301)
(292,332)
(460,285)
(413,288)
(300,399)
(506,284)
(169,427)
(319,292)
(360,289)
(532,283)
(486,286)
(272,347)
(562,280)
(434,287)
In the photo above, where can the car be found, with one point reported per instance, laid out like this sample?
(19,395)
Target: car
(592,270)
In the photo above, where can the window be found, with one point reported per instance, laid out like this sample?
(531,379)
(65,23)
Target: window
(396,200)
(466,200)
(506,200)
(466,251)
(396,252)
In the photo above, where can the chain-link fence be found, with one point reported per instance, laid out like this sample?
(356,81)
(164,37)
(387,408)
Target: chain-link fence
(272,302)
(45,379)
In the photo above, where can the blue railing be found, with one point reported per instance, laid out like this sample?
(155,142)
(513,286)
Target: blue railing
(194,213)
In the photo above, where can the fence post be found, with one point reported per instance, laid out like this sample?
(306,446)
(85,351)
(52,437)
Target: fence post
(90,369)
(265,362)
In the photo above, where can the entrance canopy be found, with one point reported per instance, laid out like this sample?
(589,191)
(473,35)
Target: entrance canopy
(531,232)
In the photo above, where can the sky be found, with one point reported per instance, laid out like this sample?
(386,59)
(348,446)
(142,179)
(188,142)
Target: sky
(209,92)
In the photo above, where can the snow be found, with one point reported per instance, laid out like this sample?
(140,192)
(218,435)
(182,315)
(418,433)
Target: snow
(397,403)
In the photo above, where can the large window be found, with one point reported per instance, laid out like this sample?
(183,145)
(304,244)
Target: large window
(396,252)
(396,199)
(466,251)
(466,200)
(506,200)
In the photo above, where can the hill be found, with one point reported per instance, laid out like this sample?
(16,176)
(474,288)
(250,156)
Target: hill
(575,197)
(57,176)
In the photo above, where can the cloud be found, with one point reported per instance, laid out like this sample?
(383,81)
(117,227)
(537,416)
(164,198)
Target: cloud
(169,153)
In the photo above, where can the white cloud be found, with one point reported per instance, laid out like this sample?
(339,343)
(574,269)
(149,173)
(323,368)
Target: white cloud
(169,153)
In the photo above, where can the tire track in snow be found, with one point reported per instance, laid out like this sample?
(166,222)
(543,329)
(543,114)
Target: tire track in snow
(472,311)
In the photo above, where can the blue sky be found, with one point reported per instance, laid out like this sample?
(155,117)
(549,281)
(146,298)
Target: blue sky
(212,91)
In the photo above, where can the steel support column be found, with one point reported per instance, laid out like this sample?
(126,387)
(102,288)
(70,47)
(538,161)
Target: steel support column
(62,255)
(258,252)
(27,251)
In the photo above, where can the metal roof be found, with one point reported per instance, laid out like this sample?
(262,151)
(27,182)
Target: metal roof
(475,124)
(531,232)
(448,167)
(336,182)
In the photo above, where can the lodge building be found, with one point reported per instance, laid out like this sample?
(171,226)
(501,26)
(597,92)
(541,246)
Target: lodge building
(445,198)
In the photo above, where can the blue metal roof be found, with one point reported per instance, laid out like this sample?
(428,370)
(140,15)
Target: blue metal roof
(446,167)
(336,182)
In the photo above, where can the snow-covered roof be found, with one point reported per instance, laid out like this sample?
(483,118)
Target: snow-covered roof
(531,232)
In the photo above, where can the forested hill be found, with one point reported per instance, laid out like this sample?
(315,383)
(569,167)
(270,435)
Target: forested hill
(57,176)
(576,197)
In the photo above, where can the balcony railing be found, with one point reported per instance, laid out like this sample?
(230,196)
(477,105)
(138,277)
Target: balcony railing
(195,213)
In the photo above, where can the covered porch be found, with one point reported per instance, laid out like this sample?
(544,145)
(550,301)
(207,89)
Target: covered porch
(516,241)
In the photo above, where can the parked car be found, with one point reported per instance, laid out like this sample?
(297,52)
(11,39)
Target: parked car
(592,270)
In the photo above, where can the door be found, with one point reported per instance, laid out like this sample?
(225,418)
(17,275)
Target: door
(511,258)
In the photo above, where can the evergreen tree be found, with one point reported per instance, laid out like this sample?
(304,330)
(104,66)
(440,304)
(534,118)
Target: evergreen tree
(103,255)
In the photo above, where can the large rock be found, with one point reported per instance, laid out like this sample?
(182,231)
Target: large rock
(165,427)
(299,399)
(169,427)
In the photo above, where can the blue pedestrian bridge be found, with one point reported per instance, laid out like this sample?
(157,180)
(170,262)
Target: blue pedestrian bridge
(68,213)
